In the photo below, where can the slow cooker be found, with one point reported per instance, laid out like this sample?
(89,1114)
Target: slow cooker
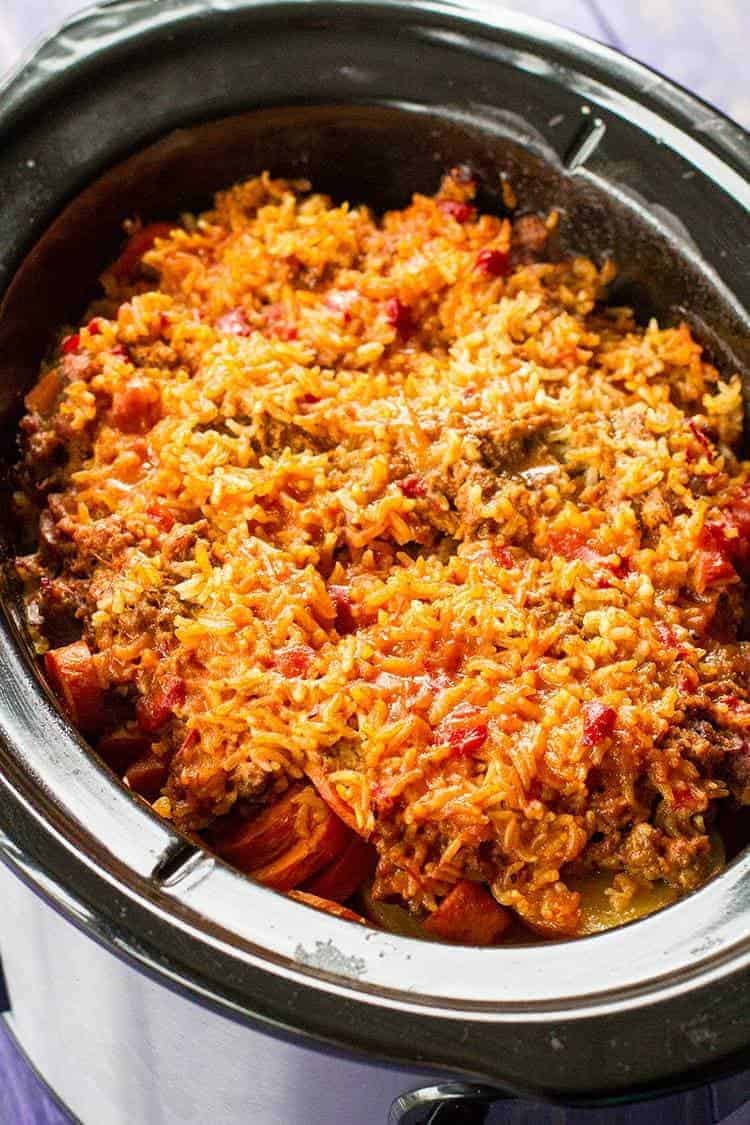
(148,981)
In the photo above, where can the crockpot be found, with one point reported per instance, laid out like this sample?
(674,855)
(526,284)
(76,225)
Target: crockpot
(149,981)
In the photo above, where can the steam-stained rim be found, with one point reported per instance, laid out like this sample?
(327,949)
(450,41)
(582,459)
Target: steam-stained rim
(572,1017)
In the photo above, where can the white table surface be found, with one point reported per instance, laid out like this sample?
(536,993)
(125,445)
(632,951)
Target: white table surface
(699,43)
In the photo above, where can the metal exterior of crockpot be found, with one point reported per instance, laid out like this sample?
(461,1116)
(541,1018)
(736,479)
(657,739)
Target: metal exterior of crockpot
(118,1048)
(663,1001)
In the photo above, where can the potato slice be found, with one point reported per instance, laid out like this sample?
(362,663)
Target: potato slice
(598,912)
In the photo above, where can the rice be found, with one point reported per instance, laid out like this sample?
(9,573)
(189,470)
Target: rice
(403,502)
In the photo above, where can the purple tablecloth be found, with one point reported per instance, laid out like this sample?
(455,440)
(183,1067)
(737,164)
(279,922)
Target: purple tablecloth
(23,1099)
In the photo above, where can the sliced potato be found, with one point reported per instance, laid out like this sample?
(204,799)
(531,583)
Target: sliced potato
(598,911)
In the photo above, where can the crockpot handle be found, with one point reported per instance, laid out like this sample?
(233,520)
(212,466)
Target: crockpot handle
(449,1103)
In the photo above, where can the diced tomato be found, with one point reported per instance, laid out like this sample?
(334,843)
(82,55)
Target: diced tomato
(137,245)
(502,555)
(495,263)
(255,842)
(616,570)
(683,797)
(325,789)
(278,324)
(345,621)
(739,517)
(94,327)
(699,435)
(666,634)
(464,729)
(137,407)
(121,350)
(300,862)
(73,676)
(400,317)
(157,707)
(469,915)
(589,555)
(341,301)
(566,543)
(121,749)
(620,569)
(327,906)
(161,517)
(146,776)
(599,722)
(294,660)
(382,799)
(413,486)
(348,871)
(71,343)
(457,210)
(713,537)
(465,741)
(573,545)
(712,568)
(234,323)
(724,544)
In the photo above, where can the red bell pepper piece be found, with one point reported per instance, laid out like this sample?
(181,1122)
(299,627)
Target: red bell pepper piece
(599,722)
(494,263)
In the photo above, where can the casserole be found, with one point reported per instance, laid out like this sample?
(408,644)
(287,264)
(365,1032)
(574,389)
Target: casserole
(579,126)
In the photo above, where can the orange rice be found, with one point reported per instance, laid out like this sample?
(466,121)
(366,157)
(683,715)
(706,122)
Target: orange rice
(401,504)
